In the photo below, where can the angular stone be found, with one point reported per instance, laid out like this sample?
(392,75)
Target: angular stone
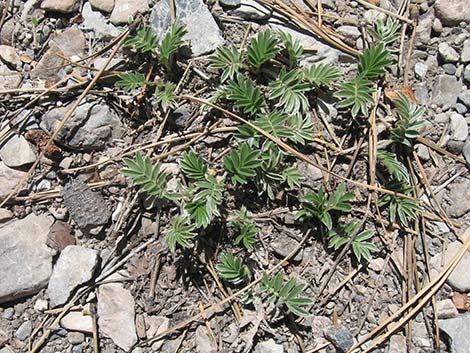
(397,344)
(116,314)
(452,12)
(230,3)
(24,331)
(125,9)
(62,6)
(9,179)
(5,215)
(17,152)
(458,331)
(75,266)
(252,10)
(60,236)
(70,42)
(445,90)
(9,56)
(459,197)
(282,246)
(465,55)
(8,79)
(77,321)
(47,67)
(459,278)
(458,127)
(86,207)
(203,32)
(103,5)
(340,337)
(25,260)
(446,309)
(447,53)
(156,325)
(204,342)
(464,97)
(423,30)
(349,31)
(269,346)
(94,20)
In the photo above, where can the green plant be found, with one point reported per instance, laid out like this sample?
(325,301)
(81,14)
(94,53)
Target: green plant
(356,93)
(149,177)
(320,206)
(241,163)
(289,90)
(321,75)
(244,94)
(407,128)
(205,200)
(144,41)
(400,209)
(362,247)
(373,62)
(262,48)
(247,228)
(171,42)
(166,97)
(293,47)
(231,269)
(131,80)
(279,293)
(385,32)
(392,165)
(227,59)
(193,166)
(179,232)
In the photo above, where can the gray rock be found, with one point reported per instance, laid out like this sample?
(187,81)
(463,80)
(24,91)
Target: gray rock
(204,342)
(47,67)
(458,331)
(423,30)
(397,344)
(24,331)
(62,6)
(459,196)
(75,266)
(446,309)
(9,56)
(9,313)
(460,108)
(41,305)
(466,74)
(103,5)
(340,337)
(464,97)
(17,152)
(8,79)
(372,16)
(452,12)
(75,337)
(95,21)
(86,207)
(466,153)
(447,53)
(282,246)
(203,33)
(420,70)
(156,325)
(230,3)
(269,346)
(25,260)
(437,25)
(252,10)
(449,69)
(420,337)
(309,172)
(70,42)
(116,314)
(349,31)
(459,278)
(465,54)
(421,93)
(445,90)
(126,9)
(91,126)
(77,321)
(458,127)
(5,215)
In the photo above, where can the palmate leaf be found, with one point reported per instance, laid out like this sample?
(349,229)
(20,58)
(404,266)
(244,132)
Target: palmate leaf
(301,129)
(172,41)
(193,166)
(274,123)
(180,232)
(339,200)
(293,47)
(262,48)
(198,213)
(270,176)
(279,293)
(144,41)
(205,201)
(385,32)
(289,90)
(373,62)
(131,80)
(400,209)
(227,59)
(231,269)
(322,74)
(149,177)
(292,176)
(407,129)
(241,164)
(244,95)
(248,230)
(393,166)
(356,94)
(166,97)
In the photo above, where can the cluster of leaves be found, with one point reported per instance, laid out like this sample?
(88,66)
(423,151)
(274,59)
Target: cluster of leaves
(246,227)
(232,269)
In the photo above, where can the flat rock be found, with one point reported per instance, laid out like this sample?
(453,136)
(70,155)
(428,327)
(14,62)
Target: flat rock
(397,344)
(459,278)
(75,266)
(126,9)
(269,346)
(24,331)
(71,42)
(447,53)
(203,32)
(91,126)
(283,245)
(62,6)
(452,12)
(340,337)
(5,215)
(458,127)
(349,31)
(459,198)
(458,331)
(156,325)
(60,236)
(9,179)
(446,309)
(17,152)
(252,10)
(95,21)
(465,54)
(423,30)
(8,79)
(46,69)
(25,259)
(9,56)
(204,342)
(445,90)
(77,321)
(103,5)
(87,208)
(116,314)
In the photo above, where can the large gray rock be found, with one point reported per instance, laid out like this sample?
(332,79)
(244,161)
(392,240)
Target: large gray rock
(95,21)
(62,6)
(103,5)
(452,12)
(203,33)
(17,152)
(9,79)
(75,266)
(423,30)
(459,278)
(91,126)
(126,9)
(9,179)
(459,196)
(458,331)
(116,314)
(445,90)
(25,260)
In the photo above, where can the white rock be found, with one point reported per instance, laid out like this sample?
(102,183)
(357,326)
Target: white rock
(9,56)
(74,267)
(397,344)
(269,346)
(447,53)
(458,330)
(459,278)
(452,12)
(116,314)
(8,79)
(94,20)
(103,5)
(458,127)
(204,342)
(62,6)
(41,305)
(77,321)
(349,31)
(252,10)
(156,325)
(445,90)
(372,16)
(420,70)
(125,9)
(9,178)
(17,152)
(25,260)
(465,55)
